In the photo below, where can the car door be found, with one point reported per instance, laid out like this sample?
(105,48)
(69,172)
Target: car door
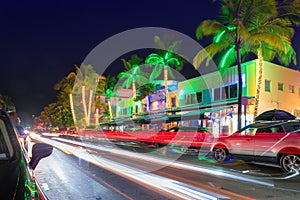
(266,141)
(241,143)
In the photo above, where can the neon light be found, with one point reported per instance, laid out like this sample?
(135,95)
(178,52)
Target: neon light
(231,28)
(218,38)
(226,56)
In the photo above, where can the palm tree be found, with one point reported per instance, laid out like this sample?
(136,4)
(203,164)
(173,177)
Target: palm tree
(145,90)
(164,60)
(133,74)
(237,31)
(106,87)
(279,28)
(87,80)
(66,85)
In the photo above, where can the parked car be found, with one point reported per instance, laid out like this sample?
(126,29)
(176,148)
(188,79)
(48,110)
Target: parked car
(16,170)
(276,142)
(190,139)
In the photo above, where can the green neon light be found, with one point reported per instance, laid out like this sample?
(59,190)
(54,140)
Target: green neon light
(231,28)
(218,38)
(226,56)
(167,55)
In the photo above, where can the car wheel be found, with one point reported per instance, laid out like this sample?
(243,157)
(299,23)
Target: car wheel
(220,154)
(290,163)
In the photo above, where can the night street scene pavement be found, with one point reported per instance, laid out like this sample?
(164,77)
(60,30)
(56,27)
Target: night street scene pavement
(150,100)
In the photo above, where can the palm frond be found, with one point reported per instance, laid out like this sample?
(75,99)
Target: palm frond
(209,27)
(156,72)
(209,52)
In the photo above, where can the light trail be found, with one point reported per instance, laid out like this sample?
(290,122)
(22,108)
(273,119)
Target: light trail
(156,182)
(177,164)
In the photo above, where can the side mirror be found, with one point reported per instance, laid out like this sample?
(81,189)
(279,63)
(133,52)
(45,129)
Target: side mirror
(39,151)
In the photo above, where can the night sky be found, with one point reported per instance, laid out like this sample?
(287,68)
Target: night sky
(40,41)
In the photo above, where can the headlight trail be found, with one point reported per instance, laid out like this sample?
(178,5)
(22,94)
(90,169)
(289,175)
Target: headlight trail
(172,187)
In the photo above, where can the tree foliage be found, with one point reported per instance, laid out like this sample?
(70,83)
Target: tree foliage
(6,103)
(244,27)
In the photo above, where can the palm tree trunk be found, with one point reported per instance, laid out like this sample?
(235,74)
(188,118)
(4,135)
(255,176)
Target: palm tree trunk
(89,108)
(84,103)
(72,108)
(134,96)
(259,82)
(240,91)
(97,117)
(166,86)
(238,46)
(109,109)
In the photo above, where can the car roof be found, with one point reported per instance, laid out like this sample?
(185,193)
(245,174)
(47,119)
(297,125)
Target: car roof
(265,124)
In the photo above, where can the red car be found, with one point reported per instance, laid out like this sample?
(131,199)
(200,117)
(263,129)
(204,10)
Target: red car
(276,142)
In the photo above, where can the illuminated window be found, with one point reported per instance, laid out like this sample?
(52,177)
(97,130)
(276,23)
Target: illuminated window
(280,86)
(267,86)
(291,89)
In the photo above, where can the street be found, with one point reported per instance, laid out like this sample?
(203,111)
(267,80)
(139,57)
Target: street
(106,171)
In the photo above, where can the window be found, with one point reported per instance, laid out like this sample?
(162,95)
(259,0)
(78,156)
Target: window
(190,99)
(233,91)
(199,97)
(224,92)
(229,91)
(247,132)
(173,102)
(216,94)
(291,89)
(280,86)
(267,86)
(273,129)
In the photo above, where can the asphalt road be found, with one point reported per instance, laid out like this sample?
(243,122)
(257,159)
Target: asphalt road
(64,176)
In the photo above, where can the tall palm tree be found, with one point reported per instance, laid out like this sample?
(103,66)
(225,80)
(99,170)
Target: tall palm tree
(87,80)
(107,89)
(133,75)
(236,30)
(278,28)
(165,59)
(66,85)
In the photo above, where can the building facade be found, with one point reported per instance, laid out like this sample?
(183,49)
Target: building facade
(279,89)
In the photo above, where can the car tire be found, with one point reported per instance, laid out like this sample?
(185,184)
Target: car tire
(290,162)
(220,154)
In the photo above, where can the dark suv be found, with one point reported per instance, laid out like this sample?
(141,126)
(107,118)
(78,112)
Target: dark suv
(275,142)
(16,170)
